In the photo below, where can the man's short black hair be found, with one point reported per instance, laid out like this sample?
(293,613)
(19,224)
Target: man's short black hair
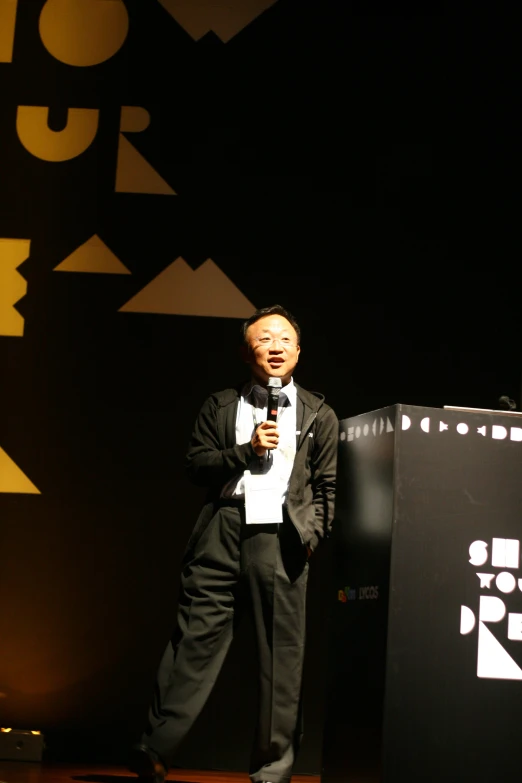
(272,310)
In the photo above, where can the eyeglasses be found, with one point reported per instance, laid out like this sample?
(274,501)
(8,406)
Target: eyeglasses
(267,342)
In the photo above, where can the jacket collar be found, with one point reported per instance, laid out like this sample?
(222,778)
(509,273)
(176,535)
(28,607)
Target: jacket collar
(307,406)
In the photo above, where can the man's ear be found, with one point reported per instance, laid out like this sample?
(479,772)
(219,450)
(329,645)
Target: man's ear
(244,352)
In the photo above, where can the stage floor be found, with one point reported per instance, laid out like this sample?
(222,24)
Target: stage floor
(27,772)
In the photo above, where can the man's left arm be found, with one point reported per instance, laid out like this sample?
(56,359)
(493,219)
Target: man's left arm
(324,471)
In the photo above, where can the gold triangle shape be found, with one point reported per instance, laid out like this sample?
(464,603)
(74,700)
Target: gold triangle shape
(225,19)
(135,175)
(181,290)
(12,479)
(93,256)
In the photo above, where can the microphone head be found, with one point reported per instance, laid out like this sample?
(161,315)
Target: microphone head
(274,383)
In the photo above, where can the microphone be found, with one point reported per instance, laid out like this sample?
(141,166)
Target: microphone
(507,402)
(274,385)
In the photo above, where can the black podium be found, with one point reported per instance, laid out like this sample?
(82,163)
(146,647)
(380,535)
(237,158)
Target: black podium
(425,611)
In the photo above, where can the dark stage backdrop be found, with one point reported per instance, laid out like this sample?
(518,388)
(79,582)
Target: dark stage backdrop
(166,167)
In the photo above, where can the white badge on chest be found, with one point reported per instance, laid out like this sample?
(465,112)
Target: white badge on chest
(262,499)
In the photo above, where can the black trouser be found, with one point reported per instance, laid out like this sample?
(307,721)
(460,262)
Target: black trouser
(226,557)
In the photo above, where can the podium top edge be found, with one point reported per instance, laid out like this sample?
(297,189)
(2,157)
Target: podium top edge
(449,408)
(482,410)
(377,411)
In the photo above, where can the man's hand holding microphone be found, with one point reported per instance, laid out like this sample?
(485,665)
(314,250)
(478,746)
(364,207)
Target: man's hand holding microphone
(266,436)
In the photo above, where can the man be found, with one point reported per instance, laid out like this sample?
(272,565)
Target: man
(270,501)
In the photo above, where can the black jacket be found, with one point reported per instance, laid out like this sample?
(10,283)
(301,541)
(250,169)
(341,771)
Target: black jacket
(213,458)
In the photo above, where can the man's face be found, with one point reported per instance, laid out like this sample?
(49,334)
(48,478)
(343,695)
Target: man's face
(272,349)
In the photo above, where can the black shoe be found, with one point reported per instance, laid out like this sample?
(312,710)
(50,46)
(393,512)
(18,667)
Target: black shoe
(146,764)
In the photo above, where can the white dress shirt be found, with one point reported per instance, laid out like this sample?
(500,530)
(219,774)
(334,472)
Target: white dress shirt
(251,411)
